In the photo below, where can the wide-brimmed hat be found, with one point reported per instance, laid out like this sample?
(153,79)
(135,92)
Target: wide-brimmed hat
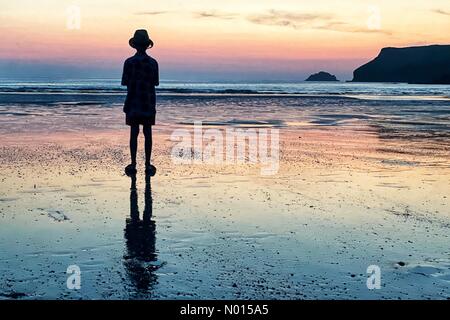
(141,39)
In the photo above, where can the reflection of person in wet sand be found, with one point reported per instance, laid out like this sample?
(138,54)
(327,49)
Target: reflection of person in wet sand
(140,75)
(140,240)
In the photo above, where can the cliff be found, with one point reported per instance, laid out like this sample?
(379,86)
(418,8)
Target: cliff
(425,64)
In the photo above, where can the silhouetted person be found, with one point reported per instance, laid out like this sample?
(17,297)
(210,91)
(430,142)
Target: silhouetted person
(140,75)
(140,240)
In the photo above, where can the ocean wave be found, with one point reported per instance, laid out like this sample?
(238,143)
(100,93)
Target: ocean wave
(32,89)
(94,90)
(362,91)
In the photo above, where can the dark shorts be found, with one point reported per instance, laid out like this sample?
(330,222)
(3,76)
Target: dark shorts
(146,121)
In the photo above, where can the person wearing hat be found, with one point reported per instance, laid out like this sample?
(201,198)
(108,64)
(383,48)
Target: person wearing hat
(140,75)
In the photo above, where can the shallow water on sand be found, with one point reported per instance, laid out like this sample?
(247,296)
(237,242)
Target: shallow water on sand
(367,185)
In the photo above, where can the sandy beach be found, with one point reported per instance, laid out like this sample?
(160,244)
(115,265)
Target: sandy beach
(345,197)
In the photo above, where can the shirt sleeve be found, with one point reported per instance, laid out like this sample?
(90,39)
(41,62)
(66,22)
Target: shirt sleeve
(126,74)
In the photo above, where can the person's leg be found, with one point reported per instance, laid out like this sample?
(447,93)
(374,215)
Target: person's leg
(148,144)
(134,133)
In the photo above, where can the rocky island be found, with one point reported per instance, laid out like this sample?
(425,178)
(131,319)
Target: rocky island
(322,76)
(420,65)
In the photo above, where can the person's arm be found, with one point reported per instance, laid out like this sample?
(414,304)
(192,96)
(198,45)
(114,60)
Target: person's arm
(156,80)
(125,74)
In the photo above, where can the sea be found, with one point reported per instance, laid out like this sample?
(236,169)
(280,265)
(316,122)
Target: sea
(397,109)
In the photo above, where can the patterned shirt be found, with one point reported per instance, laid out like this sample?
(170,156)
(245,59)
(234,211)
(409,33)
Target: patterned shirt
(140,75)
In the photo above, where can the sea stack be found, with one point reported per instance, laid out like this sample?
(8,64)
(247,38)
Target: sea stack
(420,65)
(322,76)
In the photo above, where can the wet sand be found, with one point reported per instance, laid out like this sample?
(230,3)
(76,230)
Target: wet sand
(344,198)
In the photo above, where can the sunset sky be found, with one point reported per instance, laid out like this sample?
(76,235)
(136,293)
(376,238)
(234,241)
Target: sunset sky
(201,40)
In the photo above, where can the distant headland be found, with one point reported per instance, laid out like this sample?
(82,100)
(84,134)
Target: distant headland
(420,65)
(322,76)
